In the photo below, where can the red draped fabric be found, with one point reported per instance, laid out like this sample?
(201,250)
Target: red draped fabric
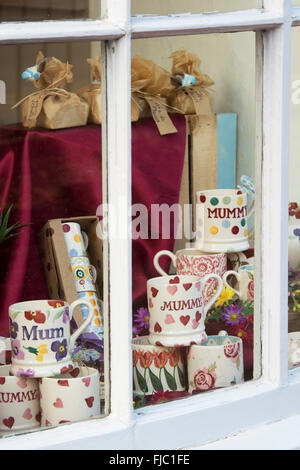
(57,174)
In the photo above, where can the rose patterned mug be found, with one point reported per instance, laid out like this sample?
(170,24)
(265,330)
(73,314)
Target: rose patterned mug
(40,335)
(245,277)
(177,311)
(195,263)
(216,363)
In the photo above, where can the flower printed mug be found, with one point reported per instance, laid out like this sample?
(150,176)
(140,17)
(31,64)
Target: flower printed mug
(196,263)
(40,336)
(84,274)
(177,311)
(221,220)
(156,368)
(245,277)
(216,363)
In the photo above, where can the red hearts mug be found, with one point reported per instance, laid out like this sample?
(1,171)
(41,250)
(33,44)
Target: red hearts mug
(195,263)
(177,310)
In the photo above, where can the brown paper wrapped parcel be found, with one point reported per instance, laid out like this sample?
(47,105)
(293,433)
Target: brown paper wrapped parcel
(195,99)
(53,107)
(149,86)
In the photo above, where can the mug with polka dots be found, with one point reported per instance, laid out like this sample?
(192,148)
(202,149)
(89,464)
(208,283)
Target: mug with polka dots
(221,221)
(84,274)
(75,238)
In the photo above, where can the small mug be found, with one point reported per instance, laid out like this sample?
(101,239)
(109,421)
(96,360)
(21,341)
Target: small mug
(177,311)
(221,221)
(294,349)
(40,335)
(156,368)
(70,398)
(195,263)
(76,239)
(216,363)
(245,277)
(84,274)
(19,402)
(5,351)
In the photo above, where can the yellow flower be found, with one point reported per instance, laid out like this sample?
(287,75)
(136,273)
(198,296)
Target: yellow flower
(42,349)
(227,294)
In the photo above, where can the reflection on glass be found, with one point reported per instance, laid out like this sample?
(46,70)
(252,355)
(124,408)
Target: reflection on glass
(38,10)
(51,250)
(294,208)
(193,6)
(192,336)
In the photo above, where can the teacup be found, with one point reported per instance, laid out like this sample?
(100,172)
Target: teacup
(40,335)
(177,311)
(70,398)
(19,402)
(216,363)
(245,277)
(157,368)
(221,221)
(195,263)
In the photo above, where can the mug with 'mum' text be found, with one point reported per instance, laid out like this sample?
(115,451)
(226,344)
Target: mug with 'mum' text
(222,221)
(177,310)
(41,341)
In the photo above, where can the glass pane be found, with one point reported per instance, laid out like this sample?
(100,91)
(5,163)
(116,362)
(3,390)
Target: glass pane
(294,230)
(168,7)
(36,10)
(193,154)
(51,250)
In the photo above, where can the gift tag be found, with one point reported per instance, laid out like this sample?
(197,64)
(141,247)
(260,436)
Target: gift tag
(160,115)
(200,99)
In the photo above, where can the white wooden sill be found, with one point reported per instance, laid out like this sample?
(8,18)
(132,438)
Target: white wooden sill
(188,422)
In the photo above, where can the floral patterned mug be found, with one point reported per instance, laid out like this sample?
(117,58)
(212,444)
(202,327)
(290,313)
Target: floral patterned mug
(216,363)
(40,335)
(245,277)
(156,368)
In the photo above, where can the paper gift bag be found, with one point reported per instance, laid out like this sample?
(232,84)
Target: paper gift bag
(51,106)
(191,99)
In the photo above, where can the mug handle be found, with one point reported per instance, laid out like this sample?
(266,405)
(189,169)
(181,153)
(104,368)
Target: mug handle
(85,324)
(85,239)
(237,275)
(156,259)
(218,291)
(94,272)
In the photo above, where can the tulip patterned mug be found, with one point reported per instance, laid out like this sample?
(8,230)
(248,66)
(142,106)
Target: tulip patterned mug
(156,368)
(40,335)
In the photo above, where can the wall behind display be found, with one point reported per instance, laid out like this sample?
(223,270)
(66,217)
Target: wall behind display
(230,60)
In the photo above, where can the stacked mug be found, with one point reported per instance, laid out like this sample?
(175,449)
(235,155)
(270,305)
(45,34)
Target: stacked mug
(43,386)
(84,274)
(178,304)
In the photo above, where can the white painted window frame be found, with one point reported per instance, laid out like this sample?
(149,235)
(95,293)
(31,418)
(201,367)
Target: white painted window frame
(275,393)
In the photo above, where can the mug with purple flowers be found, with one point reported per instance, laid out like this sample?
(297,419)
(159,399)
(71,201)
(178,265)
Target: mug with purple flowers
(41,341)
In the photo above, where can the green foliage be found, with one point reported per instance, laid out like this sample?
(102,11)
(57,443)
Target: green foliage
(7,232)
